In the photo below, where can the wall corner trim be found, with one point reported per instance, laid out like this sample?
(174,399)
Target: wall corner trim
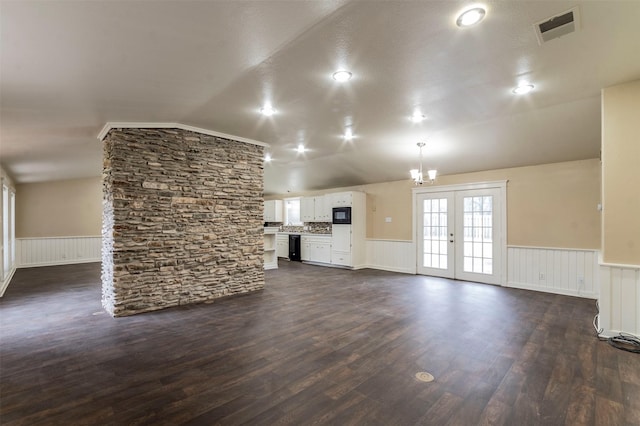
(7,280)
(142,125)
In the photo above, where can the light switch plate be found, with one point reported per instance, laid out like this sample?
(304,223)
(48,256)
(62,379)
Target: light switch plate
(387,219)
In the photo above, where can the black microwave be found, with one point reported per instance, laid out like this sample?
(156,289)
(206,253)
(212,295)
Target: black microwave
(341,216)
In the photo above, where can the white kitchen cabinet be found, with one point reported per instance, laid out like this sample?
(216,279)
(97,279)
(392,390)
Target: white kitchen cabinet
(307,209)
(341,245)
(321,250)
(305,248)
(315,209)
(322,208)
(316,248)
(270,255)
(273,211)
(341,258)
(346,246)
(341,237)
(282,245)
(348,241)
(341,199)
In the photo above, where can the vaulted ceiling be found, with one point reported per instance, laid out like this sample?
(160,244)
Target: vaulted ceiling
(69,67)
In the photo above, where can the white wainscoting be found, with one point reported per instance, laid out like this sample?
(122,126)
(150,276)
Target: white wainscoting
(572,272)
(391,255)
(57,251)
(619,299)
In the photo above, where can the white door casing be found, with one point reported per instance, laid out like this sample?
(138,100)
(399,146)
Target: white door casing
(460,231)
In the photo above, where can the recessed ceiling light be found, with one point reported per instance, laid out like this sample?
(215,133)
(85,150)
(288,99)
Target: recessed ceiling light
(301,148)
(471,16)
(417,117)
(342,76)
(267,158)
(348,134)
(267,110)
(523,89)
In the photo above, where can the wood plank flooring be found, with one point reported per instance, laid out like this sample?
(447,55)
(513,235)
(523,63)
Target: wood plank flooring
(317,346)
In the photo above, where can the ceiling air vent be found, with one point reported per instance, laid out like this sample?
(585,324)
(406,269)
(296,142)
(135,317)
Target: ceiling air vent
(558,26)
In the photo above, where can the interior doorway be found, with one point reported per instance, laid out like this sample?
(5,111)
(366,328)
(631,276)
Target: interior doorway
(460,231)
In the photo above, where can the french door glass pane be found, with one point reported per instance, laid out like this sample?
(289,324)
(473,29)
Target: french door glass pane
(434,232)
(478,232)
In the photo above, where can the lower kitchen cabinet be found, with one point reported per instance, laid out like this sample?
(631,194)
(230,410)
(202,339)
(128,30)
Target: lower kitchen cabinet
(321,252)
(316,249)
(341,258)
(282,245)
(305,249)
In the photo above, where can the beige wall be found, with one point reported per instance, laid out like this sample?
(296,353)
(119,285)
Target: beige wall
(551,205)
(621,173)
(59,209)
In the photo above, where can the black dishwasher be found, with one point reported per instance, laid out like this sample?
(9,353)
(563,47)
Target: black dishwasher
(294,247)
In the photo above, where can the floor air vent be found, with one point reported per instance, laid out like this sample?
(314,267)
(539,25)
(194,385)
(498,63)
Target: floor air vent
(558,26)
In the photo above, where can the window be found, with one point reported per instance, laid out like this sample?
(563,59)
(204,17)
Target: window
(478,234)
(434,225)
(292,211)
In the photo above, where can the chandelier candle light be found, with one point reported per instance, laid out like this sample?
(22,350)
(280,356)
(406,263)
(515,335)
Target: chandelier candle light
(416,174)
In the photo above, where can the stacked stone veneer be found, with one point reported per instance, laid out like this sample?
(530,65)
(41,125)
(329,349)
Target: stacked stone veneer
(182,219)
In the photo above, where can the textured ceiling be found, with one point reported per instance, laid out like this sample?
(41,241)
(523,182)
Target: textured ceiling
(67,68)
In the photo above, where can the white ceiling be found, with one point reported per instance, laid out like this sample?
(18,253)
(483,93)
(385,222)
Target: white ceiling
(68,67)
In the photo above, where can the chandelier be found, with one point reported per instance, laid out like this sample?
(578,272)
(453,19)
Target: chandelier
(416,174)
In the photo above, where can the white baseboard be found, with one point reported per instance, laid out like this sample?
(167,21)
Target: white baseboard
(61,262)
(392,269)
(565,292)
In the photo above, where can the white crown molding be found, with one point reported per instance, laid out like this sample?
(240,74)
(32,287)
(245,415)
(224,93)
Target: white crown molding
(128,125)
(501,184)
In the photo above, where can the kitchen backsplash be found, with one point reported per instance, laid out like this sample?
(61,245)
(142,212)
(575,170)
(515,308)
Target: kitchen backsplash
(312,227)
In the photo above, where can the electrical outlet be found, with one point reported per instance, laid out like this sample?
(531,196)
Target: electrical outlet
(541,276)
(581,281)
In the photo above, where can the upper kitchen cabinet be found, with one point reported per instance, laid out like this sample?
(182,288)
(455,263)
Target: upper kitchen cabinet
(315,209)
(307,209)
(341,199)
(322,208)
(273,211)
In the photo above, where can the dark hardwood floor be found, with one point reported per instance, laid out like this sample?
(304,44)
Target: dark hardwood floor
(317,346)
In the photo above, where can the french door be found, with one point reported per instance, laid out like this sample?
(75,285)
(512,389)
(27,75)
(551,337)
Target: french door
(460,232)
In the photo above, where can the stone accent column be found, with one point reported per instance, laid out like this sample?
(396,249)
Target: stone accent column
(182,219)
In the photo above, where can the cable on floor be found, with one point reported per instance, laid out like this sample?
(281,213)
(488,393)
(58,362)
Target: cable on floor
(595,320)
(625,341)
